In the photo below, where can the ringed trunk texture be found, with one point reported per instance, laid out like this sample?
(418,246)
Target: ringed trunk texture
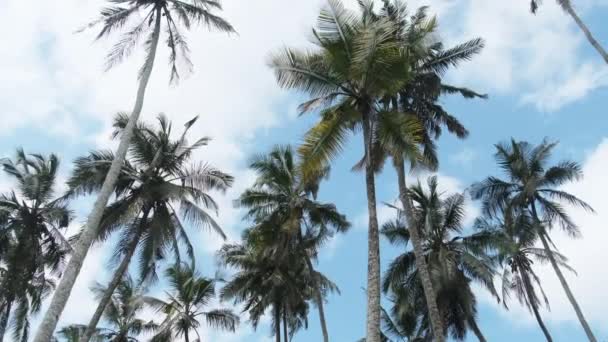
(562,279)
(476,329)
(570,10)
(116,279)
(63,290)
(421,264)
(373,257)
(5,316)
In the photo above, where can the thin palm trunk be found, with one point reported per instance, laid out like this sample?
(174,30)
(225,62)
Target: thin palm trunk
(476,329)
(570,10)
(5,316)
(277,323)
(421,264)
(373,258)
(186,337)
(116,279)
(562,279)
(64,289)
(285,332)
(533,304)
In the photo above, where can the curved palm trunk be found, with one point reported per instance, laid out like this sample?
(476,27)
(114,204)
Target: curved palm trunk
(534,306)
(562,279)
(476,329)
(570,10)
(373,247)
(116,279)
(425,275)
(81,248)
(4,321)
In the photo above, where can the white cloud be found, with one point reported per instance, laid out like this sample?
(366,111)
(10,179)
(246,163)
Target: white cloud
(586,255)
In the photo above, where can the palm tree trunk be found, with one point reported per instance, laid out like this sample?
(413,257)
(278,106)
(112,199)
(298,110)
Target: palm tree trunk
(285,332)
(562,279)
(116,279)
(570,10)
(421,264)
(277,323)
(373,248)
(534,305)
(476,329)
(186,337)
(5,316)
(81,248)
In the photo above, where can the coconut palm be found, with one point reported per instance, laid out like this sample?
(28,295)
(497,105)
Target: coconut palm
(533,184)
(148,18)
(34,249)
(265,282)
(567,6)
(418,101)
(514,241)
(454,260)
(121,315)
(156,178)
(74,332)
(186,305)
(281,197)
(356,62)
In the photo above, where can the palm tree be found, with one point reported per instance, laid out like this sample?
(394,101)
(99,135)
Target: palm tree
(31,234)
(454,260)
(113,18)
(417,101)
(566,5)
(357,62)
(281,197)
(156,178)
(74,332)
(263,281)
(515,238)
(186,304)
(120,314)
(533,184)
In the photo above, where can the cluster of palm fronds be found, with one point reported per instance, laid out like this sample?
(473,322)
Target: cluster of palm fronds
(379,72)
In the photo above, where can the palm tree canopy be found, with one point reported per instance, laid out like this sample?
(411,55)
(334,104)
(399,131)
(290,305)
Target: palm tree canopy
(159,180)
(187,302)
(455,261)
(34,250)
(141,16)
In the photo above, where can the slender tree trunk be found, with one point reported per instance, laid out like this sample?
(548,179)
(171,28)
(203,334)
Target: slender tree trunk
(562,279)
(277,324)
(533,304)
(570,10)
(421,264)
(5,316)
(373,258)
(476,329)
(285,332)
(81,248)
(186,337)
(116,279)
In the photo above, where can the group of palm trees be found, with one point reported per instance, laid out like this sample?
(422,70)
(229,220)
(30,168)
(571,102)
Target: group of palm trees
(378,71)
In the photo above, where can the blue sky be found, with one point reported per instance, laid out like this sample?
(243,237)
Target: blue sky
(542,77)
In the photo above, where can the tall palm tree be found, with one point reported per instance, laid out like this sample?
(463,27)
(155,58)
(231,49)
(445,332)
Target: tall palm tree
(186,304)
(74,332)
(357,62)
(121,314)
(533,184)
(566,5)
(514,241)
(454,260)
(31,236)
(170,14)
(282,197)
(157,177)
(265,282)
(418,101)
